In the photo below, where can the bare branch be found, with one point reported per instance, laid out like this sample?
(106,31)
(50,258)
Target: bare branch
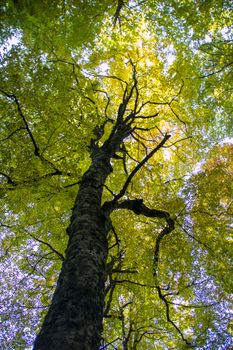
(179,92)
(165,231)
(193,306)
(135,86)
(109,190)
(36,148)
(174,98)
(124,151)
(162,297)
(73,64)
(151,103)
(108,100)
(139,208)
(9,179)
(129,155)
(110,297)
(106,345)
(71,185)
(110,77)
(217,71)
(12,133)
(139,166)
(174,143)
(196,239)
(14,98)
(136,137)
(118,11)
(177,116)
(116,239)
(146,116)
(48,245)
(133,282)
(145,139)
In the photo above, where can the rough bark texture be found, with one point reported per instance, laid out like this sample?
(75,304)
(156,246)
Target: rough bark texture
(74,320)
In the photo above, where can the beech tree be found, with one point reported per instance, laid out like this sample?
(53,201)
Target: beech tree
(116,174)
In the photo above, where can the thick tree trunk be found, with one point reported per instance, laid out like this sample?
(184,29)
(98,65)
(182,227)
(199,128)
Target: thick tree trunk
(74,320)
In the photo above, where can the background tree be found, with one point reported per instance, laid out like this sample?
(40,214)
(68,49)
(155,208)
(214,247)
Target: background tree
(130,115)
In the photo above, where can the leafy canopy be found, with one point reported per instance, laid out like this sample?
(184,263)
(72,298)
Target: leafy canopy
(65,67)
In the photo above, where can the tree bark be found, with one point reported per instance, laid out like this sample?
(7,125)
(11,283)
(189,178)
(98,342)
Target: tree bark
(74,320)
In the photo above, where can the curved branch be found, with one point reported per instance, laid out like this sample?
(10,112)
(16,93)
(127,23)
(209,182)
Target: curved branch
(165,231)
(9,179)
(139,208)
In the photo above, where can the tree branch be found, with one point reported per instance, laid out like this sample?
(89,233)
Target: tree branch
(165,231)
(116,16)
(139,166)
(48,245)
(36,148)
(162,297)
(14,98)
(139,208)
(217,71)
(12,133)
(9,179)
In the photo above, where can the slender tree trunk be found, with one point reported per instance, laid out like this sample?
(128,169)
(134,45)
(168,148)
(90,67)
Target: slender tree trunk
(74,320)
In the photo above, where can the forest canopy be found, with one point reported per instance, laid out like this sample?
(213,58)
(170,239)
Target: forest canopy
(148,85)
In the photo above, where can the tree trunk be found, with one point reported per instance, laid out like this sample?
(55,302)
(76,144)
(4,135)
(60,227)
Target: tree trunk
(74,320)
